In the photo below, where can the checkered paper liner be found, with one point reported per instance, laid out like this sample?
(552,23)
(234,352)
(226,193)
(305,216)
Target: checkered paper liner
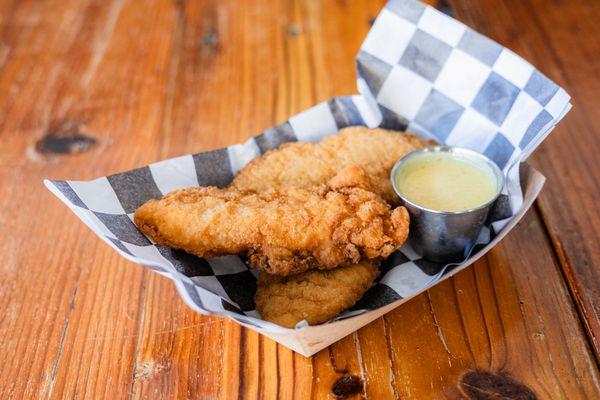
(418,70)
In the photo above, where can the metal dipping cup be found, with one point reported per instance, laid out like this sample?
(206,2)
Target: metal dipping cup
(447,236)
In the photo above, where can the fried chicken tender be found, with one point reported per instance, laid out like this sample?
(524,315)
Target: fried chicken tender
(314,296)
(302,164)
(284,231)
(319,295)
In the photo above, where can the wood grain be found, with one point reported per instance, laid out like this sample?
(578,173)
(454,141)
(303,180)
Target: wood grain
(155,79)
(563,41)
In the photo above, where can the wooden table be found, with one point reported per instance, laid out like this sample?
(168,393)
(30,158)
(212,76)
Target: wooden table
(88,88)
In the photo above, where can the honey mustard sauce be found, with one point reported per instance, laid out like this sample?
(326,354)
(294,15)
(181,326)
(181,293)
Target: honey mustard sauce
(446,182)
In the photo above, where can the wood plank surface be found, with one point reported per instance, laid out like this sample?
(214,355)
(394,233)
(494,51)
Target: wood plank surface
(562,39)
(122,83)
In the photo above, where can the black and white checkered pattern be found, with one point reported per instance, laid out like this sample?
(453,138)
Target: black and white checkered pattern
(454,85)
(418,69)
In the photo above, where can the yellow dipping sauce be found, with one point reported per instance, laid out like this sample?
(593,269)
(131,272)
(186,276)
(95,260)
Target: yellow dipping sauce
(446,182)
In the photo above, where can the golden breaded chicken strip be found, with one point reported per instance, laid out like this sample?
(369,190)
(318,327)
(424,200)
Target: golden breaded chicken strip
(314,296)
(301,164)
(284,231)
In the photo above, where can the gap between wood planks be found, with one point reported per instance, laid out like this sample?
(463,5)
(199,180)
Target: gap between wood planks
(62,339)
(142,311)
(563,263)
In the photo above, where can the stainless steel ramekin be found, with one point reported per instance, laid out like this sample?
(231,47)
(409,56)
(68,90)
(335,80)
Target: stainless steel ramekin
(446,236)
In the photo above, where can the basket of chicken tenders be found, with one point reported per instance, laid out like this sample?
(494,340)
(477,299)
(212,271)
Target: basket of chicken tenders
(323,223)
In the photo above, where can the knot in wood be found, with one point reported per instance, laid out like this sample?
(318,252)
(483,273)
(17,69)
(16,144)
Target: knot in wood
(483,385)
(347,386)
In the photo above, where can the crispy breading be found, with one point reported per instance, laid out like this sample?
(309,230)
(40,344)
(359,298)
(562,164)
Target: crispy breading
(318,295)
(302,164)
(314,296)
(284,231)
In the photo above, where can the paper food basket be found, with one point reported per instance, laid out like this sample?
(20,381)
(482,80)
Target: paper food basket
(418,70)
